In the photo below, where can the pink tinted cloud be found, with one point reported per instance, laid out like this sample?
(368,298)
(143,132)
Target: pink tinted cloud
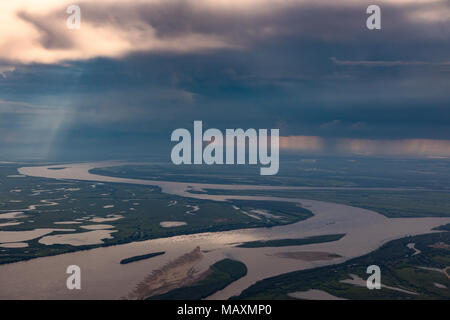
(423,148)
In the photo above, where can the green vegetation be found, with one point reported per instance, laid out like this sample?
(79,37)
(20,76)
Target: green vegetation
(272,212)
(328,172)
(300,171)
(390,203)
(221,274)
(399,268)
(143,208)
(141,257)
(291,242)
(444,227)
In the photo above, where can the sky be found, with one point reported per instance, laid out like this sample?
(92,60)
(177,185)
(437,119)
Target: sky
(137,70)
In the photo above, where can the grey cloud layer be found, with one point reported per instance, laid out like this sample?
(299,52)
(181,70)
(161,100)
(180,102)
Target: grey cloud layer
(114,29)
(137,70)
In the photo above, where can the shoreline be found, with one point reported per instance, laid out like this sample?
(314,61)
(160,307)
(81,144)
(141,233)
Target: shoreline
(365,231)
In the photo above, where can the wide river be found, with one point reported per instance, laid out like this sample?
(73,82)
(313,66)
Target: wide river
(103,277)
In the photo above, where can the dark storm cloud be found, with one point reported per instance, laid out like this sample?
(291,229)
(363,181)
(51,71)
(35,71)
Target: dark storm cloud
(52,36)
(309,69)
(150,26)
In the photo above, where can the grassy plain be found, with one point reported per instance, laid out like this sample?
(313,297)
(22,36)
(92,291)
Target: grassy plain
(399,266)
(291,242)
(143,208)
